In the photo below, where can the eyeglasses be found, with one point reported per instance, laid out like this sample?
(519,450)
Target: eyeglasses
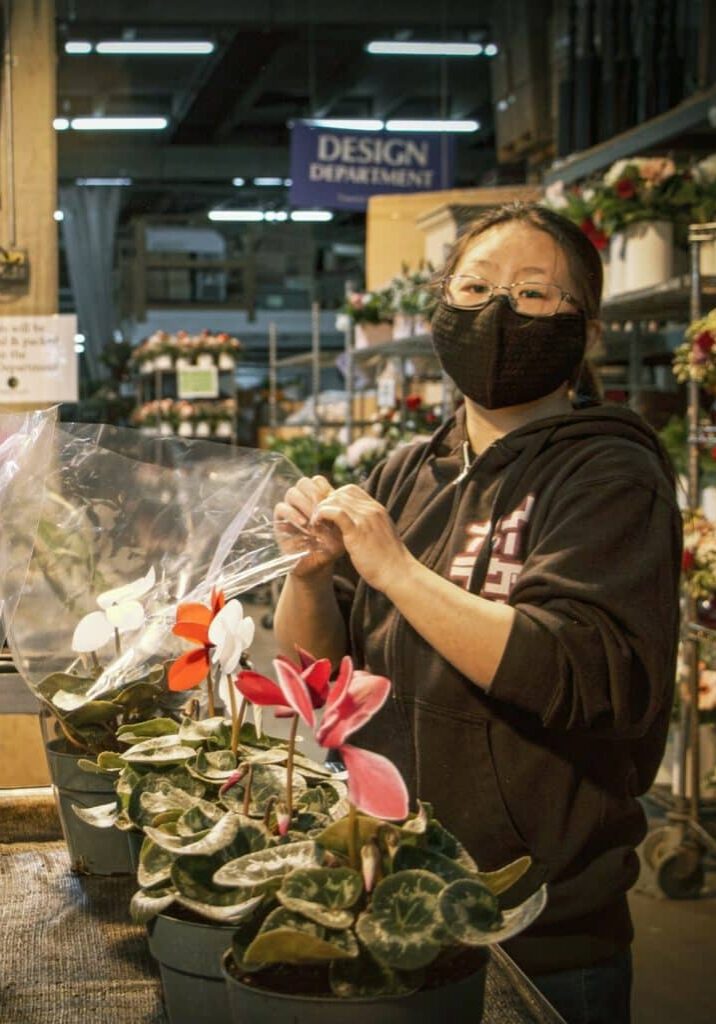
(533,298)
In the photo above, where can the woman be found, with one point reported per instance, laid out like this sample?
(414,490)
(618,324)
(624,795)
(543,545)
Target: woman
(516,578)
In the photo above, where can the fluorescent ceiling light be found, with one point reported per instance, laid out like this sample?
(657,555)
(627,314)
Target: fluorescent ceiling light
(311,215)
(60,124)
(398,125)
(238,182)
(276,215)
(354,124)
(393,48)
(80,339)
(269,182)
(118,124)
(491,50)
(58,215)
(78,46)
(107,182)
(155,48)
(228,215)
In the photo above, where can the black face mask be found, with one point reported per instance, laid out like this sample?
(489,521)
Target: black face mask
(498,357)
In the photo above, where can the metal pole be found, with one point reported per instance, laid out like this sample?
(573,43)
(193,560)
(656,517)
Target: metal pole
(316,363)
(348,344)
(272,340)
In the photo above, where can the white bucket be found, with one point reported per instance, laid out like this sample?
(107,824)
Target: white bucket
(707,258)
(649,254)
(372,334)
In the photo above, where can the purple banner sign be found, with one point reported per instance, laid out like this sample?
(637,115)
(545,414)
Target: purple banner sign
(340,170)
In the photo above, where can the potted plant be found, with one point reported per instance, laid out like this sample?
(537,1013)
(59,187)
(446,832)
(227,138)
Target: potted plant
(372,315)
(414,301)
(695,357)
(77,728)
(342,898)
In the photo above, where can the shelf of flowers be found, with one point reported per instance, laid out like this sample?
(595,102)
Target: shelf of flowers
(400,311)
(211,418)
(637,214)
(167,351)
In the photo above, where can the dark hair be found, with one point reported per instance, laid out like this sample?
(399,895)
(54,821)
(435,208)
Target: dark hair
(583,260)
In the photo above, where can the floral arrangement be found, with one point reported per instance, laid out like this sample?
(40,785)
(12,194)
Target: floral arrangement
(637,189)
(311,454)
(360,458)
(376,307)
(412,293)
(316,869)
(695,358)
(186,346)
(699,557)
(167,415)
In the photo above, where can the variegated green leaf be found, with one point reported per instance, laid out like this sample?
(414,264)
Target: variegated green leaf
(91,767)
(510,923)
(201,816)
(136,732)
(335,837)
(246,932)
(195,733)
(155,864)
(158,751)
(439,840)
(154,793)
(268,781)
(289,938)
(100,816)
(470,911)
(214,766)
(504,878)
(192,879)
(110,762)
(255,755)
(146,904)
(365,978)
(323,895)
(265,868)
(410,857)
(404,928)
(312,769)
(215,839)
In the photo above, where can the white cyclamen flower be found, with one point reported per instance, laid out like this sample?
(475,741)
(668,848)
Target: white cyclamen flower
(121,612)
(231,634)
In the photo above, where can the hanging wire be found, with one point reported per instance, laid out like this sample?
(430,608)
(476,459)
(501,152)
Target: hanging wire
(9,120)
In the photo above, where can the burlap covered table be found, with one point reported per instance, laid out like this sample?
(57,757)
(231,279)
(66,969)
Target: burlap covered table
(70,955)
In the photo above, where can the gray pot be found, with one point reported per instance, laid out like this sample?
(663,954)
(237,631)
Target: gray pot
(458,1002)
(93,851)
(189,956)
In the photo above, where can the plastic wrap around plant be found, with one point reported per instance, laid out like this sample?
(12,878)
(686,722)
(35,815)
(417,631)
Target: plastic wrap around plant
(128,528)
(25,445)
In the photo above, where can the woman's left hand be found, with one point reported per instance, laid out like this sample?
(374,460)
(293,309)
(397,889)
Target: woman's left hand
(369,535)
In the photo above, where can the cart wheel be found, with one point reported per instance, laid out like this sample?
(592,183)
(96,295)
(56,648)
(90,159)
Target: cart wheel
(658,844)
(680,873)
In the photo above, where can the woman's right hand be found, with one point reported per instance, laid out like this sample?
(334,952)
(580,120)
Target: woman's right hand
(294,527)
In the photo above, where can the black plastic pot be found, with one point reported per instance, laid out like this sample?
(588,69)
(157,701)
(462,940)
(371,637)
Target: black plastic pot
(135,838)
(458,1002)
(93,851)
(189,956)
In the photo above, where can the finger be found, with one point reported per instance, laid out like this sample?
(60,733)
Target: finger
(322,486)
(339,517)
(297,498)
(288,517)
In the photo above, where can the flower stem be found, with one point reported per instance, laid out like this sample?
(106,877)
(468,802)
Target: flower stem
(68,736)
(95,662)
(117,643)
(210,694)
(235,724)
(247,790)
(353,837)
(289,766)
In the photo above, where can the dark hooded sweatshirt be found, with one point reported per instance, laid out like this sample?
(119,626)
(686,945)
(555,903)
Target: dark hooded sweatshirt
(573,521)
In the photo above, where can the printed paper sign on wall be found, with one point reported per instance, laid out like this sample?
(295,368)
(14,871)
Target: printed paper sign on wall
(38,362)
(340,170)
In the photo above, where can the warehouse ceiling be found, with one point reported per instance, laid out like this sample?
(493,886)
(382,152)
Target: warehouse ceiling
(229,111)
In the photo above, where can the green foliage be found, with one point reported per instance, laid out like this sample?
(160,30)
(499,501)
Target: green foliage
(310,454)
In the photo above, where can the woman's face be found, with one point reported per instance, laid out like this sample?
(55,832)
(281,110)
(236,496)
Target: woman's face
(517,251)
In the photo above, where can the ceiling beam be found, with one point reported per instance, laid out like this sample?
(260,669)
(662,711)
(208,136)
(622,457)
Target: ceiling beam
(459,14)
(82,158)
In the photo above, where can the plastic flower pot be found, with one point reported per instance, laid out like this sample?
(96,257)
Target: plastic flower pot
(189,956)
(226,361)
(93,851)
(456,1001)
(649,254)
(707,258)
(372,334)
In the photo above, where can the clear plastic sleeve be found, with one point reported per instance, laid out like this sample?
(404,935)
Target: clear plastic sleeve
(167,519)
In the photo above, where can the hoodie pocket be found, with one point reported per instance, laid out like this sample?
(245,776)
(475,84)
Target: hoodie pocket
(457,775)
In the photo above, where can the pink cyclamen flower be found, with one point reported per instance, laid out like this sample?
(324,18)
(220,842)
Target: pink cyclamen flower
(310,692)
(375,785)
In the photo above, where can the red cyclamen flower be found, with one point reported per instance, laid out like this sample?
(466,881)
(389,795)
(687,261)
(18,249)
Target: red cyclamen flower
(314,675)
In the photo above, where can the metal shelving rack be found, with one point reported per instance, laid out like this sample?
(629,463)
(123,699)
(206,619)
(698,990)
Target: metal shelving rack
(150,386)
(676,851)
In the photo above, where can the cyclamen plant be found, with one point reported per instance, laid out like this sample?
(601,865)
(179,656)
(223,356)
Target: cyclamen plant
(316,869)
